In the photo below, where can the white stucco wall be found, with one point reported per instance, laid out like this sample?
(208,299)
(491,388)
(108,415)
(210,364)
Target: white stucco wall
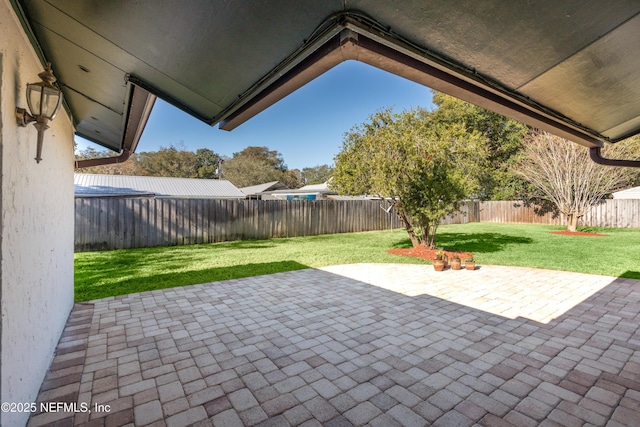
(36,228)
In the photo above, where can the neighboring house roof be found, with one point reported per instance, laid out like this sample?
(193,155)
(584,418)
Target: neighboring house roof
(307,189)
(96,185)
(347,198)
(316,187)
(261,188)
(629,193)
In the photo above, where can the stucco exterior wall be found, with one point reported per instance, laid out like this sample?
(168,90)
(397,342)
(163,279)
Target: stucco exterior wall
(36,228)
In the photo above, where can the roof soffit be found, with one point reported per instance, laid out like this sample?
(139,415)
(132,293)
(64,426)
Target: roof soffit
(218,61)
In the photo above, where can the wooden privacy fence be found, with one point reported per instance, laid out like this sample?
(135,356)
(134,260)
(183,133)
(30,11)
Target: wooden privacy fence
(618,213)
(119,223)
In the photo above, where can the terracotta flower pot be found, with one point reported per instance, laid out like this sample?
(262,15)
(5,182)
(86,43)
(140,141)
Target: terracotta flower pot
(455,264)
(439,264)
(470,265)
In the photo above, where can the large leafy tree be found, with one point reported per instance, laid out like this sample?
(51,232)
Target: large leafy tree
(257,165)
(505,138)
(170,161)
(317,174)
(561,173)
(245,171)
(423,166)
(292,178)
(271,157)
(207,163)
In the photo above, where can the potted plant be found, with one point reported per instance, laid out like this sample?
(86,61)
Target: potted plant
(455,262)
(439,260)
(470,263)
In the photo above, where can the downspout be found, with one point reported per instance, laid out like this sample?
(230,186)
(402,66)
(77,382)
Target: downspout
(596,155)
(100,161)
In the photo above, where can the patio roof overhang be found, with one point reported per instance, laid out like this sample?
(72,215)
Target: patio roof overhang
(567,67)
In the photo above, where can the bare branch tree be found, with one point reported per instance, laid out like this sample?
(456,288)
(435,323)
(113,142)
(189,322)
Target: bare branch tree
(563,173)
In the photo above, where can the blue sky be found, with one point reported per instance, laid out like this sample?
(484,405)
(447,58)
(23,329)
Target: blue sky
(306,127)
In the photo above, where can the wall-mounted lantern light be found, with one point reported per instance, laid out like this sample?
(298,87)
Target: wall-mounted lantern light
(44,100)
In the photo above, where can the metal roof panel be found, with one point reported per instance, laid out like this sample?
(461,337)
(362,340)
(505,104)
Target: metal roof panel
(98,184)
(267,186)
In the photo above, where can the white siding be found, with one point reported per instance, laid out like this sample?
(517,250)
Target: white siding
(631,193)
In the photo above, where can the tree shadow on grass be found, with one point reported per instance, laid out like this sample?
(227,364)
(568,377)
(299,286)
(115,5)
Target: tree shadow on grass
(253,244)
(631,275)
(165,257)
(182,278)
(473,242)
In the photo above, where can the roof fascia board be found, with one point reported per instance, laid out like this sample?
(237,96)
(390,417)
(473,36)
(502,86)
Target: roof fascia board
(354,39)
(317,63)
(312,48)
(319,38)
(449,77)
(165,97)
(393,61)
(140,105)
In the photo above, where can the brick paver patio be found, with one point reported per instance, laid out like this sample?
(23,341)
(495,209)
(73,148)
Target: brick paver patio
(380,345)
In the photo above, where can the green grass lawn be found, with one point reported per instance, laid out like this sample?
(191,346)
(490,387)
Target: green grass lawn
(109,273)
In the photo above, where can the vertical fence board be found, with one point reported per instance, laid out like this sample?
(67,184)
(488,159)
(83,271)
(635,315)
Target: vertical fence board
(165,216)
(152,228)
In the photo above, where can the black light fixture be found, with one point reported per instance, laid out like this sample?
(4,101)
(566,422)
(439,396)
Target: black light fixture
(44,100)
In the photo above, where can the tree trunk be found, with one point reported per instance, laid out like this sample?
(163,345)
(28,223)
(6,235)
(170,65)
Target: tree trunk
(426,242)
(572,222)
(407,226)
(432,239)
(429,235)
